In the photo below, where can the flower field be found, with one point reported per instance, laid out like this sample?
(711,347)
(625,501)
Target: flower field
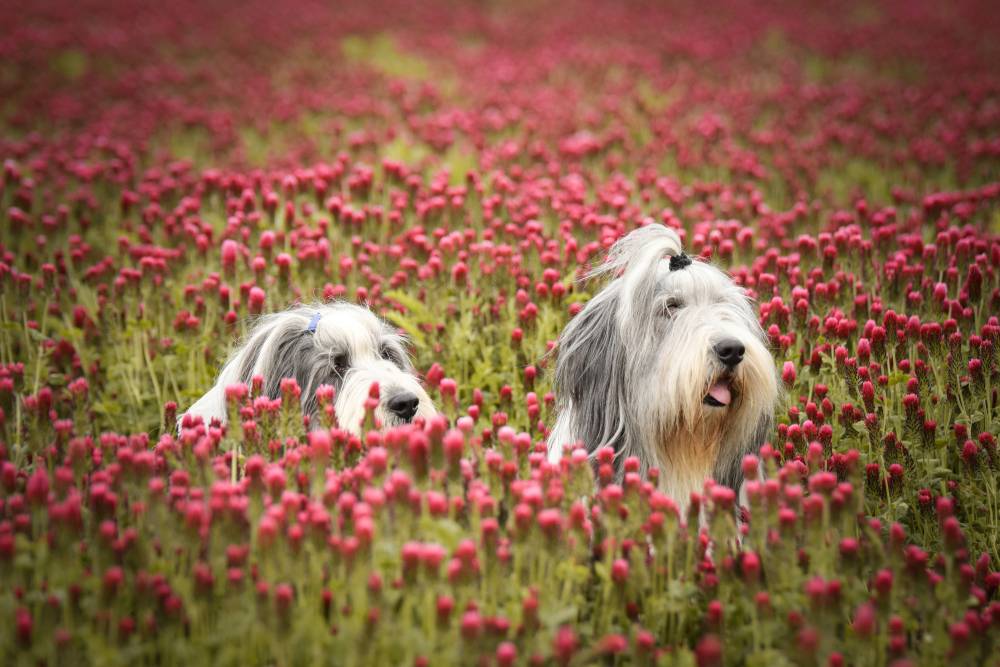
(171,170)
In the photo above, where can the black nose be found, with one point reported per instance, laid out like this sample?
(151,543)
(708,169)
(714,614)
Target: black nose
(403,405)
(730,352)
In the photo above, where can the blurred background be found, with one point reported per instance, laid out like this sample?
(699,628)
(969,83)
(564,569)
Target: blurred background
(826,99)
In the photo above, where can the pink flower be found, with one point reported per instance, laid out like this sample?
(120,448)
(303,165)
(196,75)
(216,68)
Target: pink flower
(788,374)
(320,445)
(37,488)
(751,467)
(619,571)
(564,645)
(448,388)
(255,303)
(24,625)
(551,521)
(444,605)
(750,564)
(471,625)
(613,644)
(865,619)
(506,654)
(230,252)
(709,651)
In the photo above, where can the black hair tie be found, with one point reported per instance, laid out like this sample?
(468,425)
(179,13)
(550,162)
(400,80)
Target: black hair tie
(678,262)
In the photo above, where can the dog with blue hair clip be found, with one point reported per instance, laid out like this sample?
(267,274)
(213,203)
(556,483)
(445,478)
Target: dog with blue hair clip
(337,344)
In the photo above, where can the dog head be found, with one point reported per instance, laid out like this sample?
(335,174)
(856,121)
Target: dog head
(340,345)
(666,363)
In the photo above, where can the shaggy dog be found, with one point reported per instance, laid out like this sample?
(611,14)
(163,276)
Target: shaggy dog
(668,364)
(337,344)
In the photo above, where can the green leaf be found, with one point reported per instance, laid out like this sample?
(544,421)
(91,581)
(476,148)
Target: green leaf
(445,531)
(36,335)
(415,306)
(555,618)
(70,64)
(767,658)
(407,325)
(897,378)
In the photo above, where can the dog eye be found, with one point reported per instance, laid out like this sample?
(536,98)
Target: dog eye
(672,305)
(389,354)
(341,363)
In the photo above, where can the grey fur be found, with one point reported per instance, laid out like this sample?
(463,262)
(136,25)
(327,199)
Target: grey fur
(280,345)
(592,372)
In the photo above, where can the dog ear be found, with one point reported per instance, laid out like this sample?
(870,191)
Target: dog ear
(291,353)
(239,368)
(591,372)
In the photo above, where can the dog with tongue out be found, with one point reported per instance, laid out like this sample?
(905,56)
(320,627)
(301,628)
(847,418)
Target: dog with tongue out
(667,363)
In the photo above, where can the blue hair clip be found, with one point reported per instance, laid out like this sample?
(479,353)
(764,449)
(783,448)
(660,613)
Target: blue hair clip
(313,322)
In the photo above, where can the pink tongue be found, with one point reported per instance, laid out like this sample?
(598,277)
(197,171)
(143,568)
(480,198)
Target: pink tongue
(720,392)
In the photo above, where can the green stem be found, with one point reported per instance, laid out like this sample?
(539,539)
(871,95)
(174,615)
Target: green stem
(41,348)
(152,371)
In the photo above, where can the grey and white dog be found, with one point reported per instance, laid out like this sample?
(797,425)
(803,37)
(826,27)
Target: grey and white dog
(338,344)
(667,363)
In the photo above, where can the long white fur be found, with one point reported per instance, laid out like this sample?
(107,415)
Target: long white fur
(652,367)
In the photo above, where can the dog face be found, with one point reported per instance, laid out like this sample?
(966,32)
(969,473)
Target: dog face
(339,345)
(667,363)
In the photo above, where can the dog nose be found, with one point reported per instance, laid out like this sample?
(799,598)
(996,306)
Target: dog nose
(403,405)
(730,352)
